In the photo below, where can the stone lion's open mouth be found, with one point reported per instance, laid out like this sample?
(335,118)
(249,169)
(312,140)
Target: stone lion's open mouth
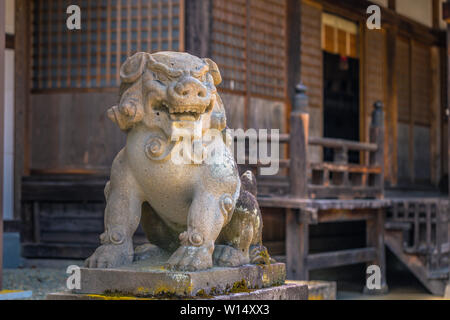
(185,112)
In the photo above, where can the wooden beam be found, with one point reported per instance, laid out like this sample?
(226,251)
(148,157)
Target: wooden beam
(340,258)
(356,10)
(198,20)
(21,99)
(2,117)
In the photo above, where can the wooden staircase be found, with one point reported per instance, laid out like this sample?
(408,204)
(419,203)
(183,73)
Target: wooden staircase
(417,231)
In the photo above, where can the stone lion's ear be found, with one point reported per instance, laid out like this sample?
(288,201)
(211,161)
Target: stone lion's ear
(214,71)
(133,67)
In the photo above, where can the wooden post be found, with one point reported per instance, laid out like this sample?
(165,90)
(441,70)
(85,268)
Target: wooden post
(392,105)
(377,136)
(2,110)
(375,238)
(298,146)
(297,232)
(297,246)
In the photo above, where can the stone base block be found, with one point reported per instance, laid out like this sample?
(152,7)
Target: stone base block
(144,280)
(289,291)
(318,290)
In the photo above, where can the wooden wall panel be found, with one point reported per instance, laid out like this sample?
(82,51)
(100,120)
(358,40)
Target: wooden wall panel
(403,80)
(374,72)
(311,53)
(421,83)
(71,133)
(267,48)
(229,42)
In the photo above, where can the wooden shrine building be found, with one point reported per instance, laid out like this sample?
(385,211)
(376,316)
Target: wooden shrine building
(366,142)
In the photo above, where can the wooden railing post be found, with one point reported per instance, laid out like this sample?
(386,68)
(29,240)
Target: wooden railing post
(377,136)
(297,231)
(298,174)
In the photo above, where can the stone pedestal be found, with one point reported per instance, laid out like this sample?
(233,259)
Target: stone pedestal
(290,291)
(152,281)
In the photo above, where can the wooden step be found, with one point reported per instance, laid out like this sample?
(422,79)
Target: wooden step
(433,282)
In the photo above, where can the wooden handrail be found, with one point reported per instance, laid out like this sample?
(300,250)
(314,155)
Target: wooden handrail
(282,138)
(352,168)
(341,144)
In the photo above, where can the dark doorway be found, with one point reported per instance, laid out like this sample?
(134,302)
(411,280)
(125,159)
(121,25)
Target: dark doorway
(341,101)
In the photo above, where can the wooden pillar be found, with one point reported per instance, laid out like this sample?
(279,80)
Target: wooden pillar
(391,104)
(297,246)
(298,145)
(297,232)
(377,136)
(198,20)
(375,239)
(2,111)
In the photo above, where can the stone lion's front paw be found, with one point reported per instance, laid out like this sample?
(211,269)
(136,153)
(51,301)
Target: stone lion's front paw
(227,256)
(190,258)
(111,256)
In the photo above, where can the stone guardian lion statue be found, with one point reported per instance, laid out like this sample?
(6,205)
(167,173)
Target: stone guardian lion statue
(202,214)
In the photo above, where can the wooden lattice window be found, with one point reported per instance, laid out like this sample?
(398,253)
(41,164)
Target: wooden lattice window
(110,31)
(339,36)
(229,42)
(421,83)
(249,45)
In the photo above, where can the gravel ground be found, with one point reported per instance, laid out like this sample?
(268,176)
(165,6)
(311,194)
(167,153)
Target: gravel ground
(39,281)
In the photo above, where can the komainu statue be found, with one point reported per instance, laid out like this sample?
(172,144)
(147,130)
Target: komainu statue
(202,213)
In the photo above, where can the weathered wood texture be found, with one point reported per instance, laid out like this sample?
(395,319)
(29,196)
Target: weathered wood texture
(72,134)
(426,223)
(64,216)
(293,34)
(299,154)
(297,246)
(90,57)
(418,233)
(198,27)
(391,145)
(374,75)
(311,52)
